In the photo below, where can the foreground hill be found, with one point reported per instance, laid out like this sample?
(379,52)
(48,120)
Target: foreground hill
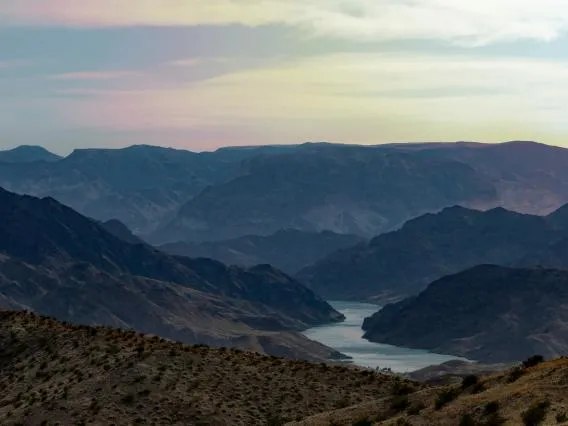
(27,154)
(289,250)
(59,263)
(403,262)
(56,372)
(531,396)
(487,313)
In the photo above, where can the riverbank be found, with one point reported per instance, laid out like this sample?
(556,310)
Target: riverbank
(346,337)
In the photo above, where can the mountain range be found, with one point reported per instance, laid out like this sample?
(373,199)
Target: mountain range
(57,262)
(168,195)
(403,262)
(27,154)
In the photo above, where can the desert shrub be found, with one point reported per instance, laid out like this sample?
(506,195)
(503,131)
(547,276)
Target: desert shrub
(533,360)
(445,397)
(515,374)
(401,388)
(469,381)
(467,420)
(128,399)
(491,407)
(275,421)
(416,409)
(535,414)
(363,422)
(478,388)
(399,403)
(343,402)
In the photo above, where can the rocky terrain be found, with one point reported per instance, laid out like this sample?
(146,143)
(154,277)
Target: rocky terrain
(58,373)
(488,313)
(289,250)
(403,262)
(528,395)
(59,263)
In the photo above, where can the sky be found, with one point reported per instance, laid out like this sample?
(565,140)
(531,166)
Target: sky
(199,74)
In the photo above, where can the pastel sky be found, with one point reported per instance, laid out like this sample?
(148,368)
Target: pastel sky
(200,74)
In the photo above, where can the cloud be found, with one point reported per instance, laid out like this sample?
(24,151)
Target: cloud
(93,75)
(463,22)
(362,98)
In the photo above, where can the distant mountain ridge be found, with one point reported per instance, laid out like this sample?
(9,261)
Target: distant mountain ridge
(59,263)
(289,250)
(27,154)
(487,313)
(166,195)
(351,190)
(403,262)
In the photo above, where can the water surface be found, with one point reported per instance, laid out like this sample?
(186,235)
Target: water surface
(346,337)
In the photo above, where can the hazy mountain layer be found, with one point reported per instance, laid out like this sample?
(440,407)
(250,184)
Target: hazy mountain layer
(59,263)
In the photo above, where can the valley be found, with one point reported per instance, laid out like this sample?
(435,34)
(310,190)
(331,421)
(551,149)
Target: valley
(272,257)
(347,337)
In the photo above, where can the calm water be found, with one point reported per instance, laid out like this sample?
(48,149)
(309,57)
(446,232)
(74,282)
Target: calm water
(346,337)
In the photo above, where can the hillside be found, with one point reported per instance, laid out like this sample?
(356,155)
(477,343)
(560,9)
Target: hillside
(139,185)
(345,189)
(531,396)
(27,154)
(289,250)
(529,177)
(403,262)
(59,263)
(120,230)
(487,313)
(57,372)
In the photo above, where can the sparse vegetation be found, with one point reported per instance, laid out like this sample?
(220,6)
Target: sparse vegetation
(400,403)
(491,408)
(147,380)
(445,397)
(533,361)
(535,414)
(470,380)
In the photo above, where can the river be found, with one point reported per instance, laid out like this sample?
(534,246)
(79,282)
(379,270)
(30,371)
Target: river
(346,337)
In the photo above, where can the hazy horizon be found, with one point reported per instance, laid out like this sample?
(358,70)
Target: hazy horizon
(199,74)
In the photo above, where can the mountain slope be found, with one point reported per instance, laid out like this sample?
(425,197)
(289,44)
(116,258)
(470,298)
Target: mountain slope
(526,396)
(27,154)
(345,189)
(528,177)
(289,250)
(59,263)
(57,372)
(139,185)
(120,230)
(487,313)
(403,262)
